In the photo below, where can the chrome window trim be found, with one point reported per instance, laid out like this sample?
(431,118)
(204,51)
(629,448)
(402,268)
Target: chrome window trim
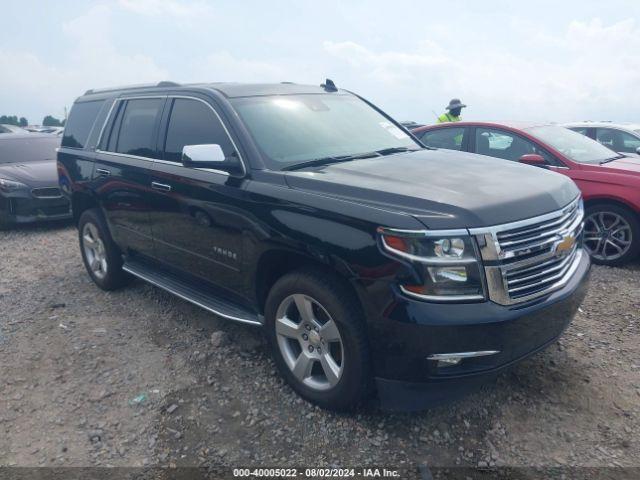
(104,125)
(242,163)
(167,162)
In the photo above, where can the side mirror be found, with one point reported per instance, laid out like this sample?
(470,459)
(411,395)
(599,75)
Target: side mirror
(638,150)
(209,156)
(202,155)
(533,159)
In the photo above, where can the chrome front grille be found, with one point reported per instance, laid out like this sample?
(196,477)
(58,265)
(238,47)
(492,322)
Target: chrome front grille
(46,192)
(531,258)
(539,237)
(537,278)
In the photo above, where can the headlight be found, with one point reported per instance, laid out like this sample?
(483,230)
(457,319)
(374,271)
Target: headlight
(447,263)
(11,186)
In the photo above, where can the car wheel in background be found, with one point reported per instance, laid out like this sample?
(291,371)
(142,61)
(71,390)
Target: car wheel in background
(316,330)
(611,234)
(100,255)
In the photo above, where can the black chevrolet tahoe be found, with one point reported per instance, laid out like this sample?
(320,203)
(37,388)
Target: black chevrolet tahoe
(374,265)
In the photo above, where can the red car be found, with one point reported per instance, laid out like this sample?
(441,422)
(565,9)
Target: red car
(610,182)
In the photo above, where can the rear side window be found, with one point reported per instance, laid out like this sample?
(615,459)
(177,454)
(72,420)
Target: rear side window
(81,119)
(618,140)
(137,127)
(449,138)
(194,123)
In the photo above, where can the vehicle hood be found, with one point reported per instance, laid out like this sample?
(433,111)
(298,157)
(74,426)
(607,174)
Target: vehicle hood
(628,164)
(443,188)
(33,174)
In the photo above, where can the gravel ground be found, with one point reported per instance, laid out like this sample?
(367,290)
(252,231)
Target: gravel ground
(137,377)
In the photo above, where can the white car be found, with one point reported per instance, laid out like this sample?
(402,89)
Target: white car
(620,137)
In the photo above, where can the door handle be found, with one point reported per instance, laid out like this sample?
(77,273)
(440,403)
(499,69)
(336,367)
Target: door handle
(160,186)
(102,172)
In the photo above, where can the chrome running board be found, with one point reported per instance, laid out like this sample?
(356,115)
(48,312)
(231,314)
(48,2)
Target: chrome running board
(203,299)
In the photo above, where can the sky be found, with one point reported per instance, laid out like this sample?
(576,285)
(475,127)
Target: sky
(508,60)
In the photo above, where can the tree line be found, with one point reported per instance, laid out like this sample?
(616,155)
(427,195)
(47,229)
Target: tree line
(48,121)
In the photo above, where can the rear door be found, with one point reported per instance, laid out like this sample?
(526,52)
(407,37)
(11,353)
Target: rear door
(122,174)
(198,213)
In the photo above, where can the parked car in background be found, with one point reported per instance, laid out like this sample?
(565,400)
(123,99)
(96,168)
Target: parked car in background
(44,129)
(610,182)
(29,189)
(369,261)
(410,124)
(621,138)
(5,128)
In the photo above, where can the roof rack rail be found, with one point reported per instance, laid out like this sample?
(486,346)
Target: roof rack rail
(167,83)
(164,83)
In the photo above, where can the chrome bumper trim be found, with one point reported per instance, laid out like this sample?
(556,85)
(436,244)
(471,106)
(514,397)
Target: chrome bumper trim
(461,355)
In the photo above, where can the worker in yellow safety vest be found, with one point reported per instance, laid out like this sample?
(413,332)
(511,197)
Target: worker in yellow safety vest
(453,115)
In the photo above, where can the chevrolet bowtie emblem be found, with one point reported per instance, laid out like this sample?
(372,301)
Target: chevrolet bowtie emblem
(565,245)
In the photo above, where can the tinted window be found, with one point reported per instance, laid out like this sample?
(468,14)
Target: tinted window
(28,148)
(138,127)
(78,126)
(194,123)
(617,140)
(449,138)
(502,144)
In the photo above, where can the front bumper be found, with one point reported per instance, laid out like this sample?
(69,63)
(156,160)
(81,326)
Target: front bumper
(15,209)
(410,331)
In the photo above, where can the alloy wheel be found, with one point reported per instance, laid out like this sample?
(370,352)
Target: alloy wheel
(310,342)
(94,250)
(607,235)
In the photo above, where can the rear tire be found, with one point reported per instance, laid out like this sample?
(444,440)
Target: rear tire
(611,234)
(100,255)
(316,330)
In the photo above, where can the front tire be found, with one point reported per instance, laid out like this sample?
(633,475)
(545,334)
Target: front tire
(611,234)
(100,254)
(316,330)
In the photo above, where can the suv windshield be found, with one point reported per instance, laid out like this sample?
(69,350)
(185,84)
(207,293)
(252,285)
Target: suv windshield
(292,129)
(572,144)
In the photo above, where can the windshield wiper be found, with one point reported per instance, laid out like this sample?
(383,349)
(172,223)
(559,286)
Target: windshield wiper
(392,150)
(607,160)
(346,158)
(317,162)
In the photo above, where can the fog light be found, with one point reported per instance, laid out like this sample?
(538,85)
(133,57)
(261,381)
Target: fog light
(449,362)
(451,359)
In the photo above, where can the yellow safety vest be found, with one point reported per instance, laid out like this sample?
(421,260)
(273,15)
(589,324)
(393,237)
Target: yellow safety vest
(447,117)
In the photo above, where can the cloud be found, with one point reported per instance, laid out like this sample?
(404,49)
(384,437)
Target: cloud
(47,86)
(171,8)
(224,67)
(591,70)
